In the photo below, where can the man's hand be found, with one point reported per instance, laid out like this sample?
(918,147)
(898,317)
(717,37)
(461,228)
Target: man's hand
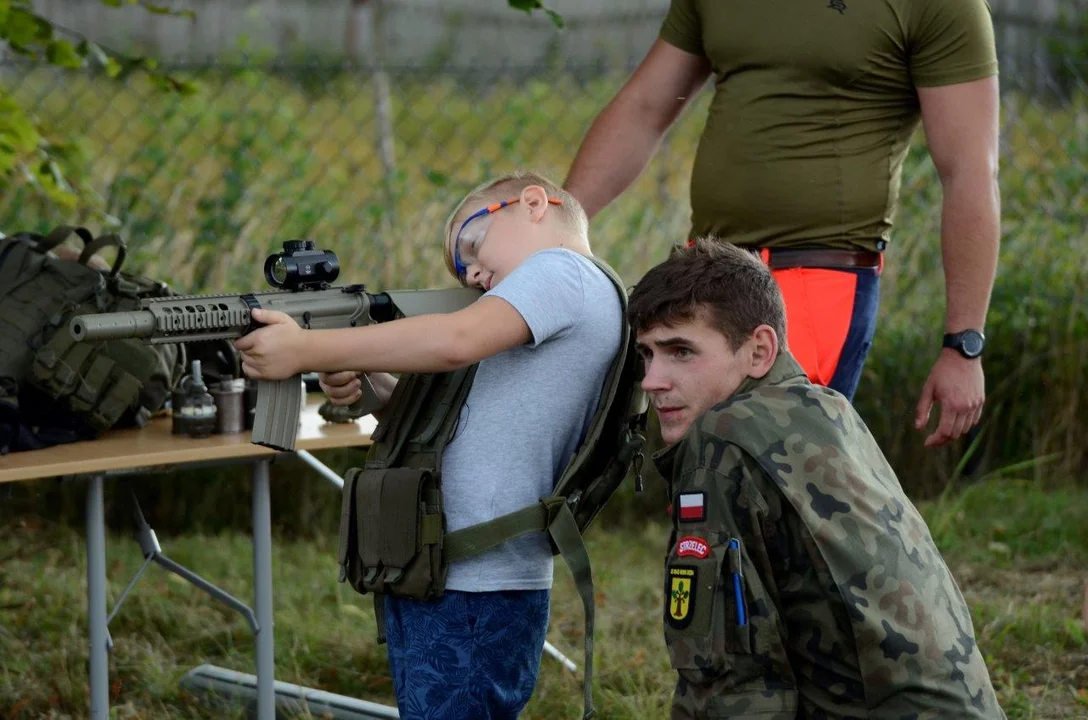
(275,351)
(959,386)
(342,388)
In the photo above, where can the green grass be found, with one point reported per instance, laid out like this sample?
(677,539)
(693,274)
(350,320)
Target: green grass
(1025,596)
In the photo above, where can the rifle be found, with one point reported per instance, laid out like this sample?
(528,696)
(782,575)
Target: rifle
(302,275)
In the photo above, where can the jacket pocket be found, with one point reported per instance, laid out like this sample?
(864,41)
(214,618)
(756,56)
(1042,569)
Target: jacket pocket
(705,608)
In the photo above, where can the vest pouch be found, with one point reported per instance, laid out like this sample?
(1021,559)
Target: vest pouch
(391,533)
(95,386)
(347,553)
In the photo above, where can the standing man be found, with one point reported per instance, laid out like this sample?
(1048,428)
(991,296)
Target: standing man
(800,581)
(800,160)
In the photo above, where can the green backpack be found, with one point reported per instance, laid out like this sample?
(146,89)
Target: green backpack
(393,538)
(52,389)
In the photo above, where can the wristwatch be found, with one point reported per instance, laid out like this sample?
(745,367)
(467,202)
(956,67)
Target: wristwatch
(968,343)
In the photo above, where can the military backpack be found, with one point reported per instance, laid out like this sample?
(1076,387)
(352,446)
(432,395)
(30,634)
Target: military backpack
(54,390)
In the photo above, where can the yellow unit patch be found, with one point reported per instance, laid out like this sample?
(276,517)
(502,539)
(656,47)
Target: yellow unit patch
(680,596)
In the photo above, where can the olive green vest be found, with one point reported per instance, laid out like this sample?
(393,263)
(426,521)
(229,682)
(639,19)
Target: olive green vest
(393,537)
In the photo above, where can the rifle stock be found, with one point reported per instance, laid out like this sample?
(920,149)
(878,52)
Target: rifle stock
(195,318)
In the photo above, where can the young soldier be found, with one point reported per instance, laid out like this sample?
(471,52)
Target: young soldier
(544,333)
(800,581)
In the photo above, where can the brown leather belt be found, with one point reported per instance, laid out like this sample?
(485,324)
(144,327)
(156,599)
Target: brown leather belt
(777,259)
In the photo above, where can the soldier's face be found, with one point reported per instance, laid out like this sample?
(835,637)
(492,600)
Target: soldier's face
(689,368)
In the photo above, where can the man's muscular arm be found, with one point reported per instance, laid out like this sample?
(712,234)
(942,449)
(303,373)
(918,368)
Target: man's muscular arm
(627,132)
(961,126)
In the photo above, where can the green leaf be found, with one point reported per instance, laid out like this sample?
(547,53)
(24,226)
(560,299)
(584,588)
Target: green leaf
(557,19)
(529,5)
(62,54)
(44,29)
(437,178)
(22,28)
(18,135)
(165,10)
(183,87)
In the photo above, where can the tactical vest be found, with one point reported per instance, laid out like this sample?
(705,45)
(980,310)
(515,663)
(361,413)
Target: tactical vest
(896,586)
(393,537)
(53,389)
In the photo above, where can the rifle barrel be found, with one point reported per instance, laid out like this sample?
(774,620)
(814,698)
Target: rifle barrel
(113,326)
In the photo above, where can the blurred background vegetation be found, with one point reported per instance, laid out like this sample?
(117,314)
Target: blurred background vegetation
(367,156)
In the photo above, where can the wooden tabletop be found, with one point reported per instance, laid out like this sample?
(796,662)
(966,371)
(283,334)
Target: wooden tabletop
(154,445)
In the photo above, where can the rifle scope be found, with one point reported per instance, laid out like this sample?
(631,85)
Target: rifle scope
(301,266)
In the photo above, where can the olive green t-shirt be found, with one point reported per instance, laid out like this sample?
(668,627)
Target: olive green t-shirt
(814,106)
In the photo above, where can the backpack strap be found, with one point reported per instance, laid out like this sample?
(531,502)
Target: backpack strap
(91,244)
(58,235)
(110,240)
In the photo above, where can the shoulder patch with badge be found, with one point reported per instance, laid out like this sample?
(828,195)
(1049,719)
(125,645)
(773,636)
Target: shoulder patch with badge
(691,546)
(680,596)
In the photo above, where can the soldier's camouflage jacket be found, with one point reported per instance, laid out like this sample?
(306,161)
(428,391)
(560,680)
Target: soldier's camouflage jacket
(800,581)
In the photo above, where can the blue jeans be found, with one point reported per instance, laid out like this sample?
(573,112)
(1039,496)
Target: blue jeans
(466,655)
(860,336)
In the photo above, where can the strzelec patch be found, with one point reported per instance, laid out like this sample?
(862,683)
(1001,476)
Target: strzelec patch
(691,546)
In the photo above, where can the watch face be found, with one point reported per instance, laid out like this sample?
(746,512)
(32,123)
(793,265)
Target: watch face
(972,343)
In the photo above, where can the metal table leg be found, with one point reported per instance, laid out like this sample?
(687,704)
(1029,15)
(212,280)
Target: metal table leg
(98,661)
(262,587)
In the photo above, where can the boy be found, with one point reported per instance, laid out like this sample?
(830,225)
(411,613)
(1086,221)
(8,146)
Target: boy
(800,581)
(544,333)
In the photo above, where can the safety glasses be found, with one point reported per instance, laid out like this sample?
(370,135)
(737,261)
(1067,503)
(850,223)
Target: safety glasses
(459,266)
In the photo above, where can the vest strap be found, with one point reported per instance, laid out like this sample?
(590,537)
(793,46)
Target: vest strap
(469,541)
(379,616)
(565,534)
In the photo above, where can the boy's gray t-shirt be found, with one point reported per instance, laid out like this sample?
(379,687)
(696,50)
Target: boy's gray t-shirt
(527,412)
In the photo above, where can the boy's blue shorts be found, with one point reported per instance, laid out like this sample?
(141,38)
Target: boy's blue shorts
(466,655)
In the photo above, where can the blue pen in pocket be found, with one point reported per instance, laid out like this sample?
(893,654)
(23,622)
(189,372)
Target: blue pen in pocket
(738,587)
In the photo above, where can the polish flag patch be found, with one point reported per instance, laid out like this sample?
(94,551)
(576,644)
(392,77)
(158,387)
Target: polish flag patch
(692,507)
(691,546)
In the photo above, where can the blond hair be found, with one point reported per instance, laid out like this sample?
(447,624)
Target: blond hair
(507,186)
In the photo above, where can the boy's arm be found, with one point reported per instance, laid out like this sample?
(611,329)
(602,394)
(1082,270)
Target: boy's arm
(425,343)
(345,387)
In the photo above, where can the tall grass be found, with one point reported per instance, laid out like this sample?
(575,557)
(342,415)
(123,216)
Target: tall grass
(204,187)
(1017,552)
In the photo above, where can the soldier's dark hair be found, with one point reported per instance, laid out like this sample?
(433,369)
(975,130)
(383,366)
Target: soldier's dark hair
(732,285)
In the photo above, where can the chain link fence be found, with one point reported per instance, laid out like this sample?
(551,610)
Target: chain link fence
(368,158)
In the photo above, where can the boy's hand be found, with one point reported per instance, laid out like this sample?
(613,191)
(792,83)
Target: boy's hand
(342,388)
(273,352)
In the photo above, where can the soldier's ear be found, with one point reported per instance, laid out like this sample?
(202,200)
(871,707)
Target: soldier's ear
(763,350)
